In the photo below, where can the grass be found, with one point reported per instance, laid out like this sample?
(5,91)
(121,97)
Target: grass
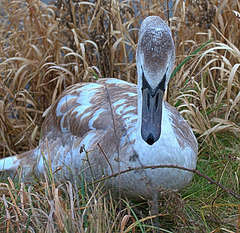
(45,48)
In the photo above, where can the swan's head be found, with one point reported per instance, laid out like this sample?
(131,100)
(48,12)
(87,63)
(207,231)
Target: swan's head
(155,60)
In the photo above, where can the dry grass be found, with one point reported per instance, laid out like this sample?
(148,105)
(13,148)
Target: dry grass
(45,48)
(46,208)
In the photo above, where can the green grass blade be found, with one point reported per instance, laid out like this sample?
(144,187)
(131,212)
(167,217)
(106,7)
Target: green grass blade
(185,60)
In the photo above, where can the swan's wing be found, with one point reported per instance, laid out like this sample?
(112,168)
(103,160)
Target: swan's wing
(99,118)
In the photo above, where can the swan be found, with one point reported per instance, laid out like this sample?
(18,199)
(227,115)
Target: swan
(94,130)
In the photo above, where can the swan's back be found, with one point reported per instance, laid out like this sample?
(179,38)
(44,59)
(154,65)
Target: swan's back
(87,107)
(98,119)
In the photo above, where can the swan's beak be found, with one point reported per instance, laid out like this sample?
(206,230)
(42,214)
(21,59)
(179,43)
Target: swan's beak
(152,101)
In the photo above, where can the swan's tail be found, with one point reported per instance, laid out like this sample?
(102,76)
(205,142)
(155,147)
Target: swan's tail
(11,164)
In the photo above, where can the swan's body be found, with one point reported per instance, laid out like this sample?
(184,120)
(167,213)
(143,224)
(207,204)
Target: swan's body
(103,120)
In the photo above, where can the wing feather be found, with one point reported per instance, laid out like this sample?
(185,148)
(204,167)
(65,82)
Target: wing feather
(91,106)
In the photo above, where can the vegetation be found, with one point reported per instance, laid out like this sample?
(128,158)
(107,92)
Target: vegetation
(45,48)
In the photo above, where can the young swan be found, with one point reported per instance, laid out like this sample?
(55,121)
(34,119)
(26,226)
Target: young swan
(98,129)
